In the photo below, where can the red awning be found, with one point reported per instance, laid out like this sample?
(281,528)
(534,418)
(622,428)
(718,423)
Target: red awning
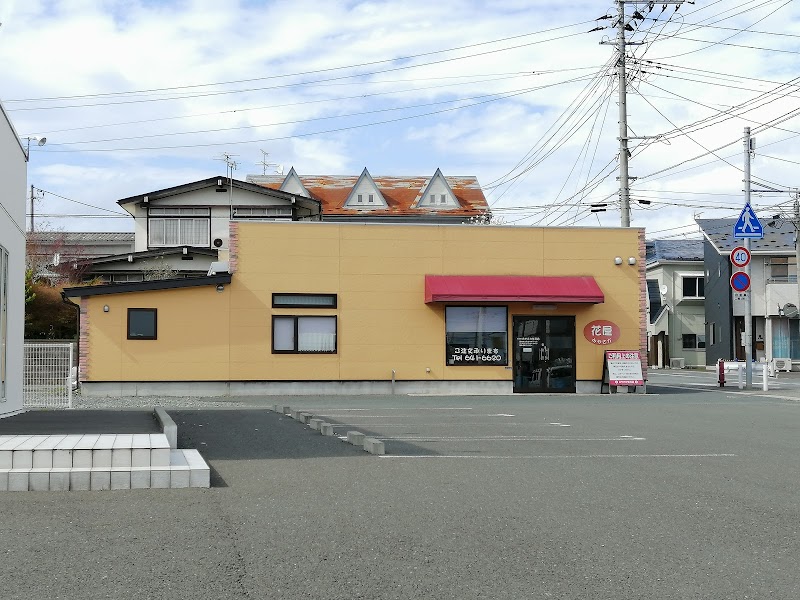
(511,288)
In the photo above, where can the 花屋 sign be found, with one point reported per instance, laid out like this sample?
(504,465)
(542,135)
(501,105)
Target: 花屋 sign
(601,332)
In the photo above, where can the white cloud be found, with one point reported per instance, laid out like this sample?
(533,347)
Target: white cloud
(74,48)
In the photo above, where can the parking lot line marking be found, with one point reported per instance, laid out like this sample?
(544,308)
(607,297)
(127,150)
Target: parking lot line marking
(530,456)
(394,408)
(508,438)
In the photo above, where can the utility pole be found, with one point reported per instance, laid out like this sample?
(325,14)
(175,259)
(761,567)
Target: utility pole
(32,204)
(621,43)
(624,182)
(749,144)
(796,223)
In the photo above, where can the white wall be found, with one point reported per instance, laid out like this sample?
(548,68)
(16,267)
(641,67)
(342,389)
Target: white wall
(13,174)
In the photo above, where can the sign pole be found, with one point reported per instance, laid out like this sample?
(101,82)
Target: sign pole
(748,307)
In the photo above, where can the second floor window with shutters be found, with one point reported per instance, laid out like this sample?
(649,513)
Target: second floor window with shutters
(178,226)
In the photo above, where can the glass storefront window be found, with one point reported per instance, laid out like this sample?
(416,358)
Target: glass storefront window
(476,335)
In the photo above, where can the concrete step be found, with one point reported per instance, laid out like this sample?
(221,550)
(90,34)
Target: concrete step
(99,462)
(85,451)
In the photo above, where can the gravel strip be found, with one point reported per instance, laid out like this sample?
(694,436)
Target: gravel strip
(124,402)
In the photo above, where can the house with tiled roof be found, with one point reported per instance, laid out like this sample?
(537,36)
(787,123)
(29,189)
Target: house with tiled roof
(676,307)
(396,199)
(182,230)
(773,292)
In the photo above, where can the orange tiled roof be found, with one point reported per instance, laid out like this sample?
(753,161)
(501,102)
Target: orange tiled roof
(402,194)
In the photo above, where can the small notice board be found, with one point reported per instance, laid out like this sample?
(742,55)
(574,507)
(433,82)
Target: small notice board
(622,368)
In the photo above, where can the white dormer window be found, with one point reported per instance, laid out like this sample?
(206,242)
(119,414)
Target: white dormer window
(437,194)
(365,191)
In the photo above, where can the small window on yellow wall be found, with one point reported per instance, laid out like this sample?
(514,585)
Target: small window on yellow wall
(142,324)
(301,334)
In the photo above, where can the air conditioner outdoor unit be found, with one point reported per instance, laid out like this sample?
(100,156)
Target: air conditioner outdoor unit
(782,364)
(677,363)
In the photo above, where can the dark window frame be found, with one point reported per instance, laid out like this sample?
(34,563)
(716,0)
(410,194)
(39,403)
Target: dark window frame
(476,364)
(155,324)
(334,298)
(296,319)
(699,281)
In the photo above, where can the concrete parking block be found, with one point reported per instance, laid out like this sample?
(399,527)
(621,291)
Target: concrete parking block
(59,480)
(43,453)
(179,472)
(39,480)
(82,452)
(18,480)
(63,452)
(199,472)
(356,438)
(120,479)
(79,479)
(101,453)
(315,423)
(374,446)
(159,477)
(140,478)
(326,429)
(159,457)
(121,451)
(140,450)
(100,479)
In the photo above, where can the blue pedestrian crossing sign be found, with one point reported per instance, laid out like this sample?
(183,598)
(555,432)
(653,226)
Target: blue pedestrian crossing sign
(748,225)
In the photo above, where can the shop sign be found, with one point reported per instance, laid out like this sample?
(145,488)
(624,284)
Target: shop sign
(602,332)
(623,368)
(465,355)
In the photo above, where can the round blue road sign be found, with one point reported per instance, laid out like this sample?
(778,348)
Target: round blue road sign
(740,281)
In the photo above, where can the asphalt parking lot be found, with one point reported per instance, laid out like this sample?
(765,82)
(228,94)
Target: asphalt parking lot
(687,492)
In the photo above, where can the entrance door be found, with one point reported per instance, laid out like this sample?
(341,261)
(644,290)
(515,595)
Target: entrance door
(544,354)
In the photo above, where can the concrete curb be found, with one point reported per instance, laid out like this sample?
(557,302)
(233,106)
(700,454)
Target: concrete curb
(168,426)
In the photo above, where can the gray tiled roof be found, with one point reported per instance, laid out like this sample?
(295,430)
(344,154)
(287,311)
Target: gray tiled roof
(674,250)
(82,237)
(777,240)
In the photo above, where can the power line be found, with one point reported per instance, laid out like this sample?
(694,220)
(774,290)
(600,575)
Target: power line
(315,71)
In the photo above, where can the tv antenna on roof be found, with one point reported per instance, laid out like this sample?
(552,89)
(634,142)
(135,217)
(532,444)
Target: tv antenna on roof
(264,164)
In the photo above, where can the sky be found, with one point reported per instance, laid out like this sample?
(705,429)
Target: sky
(135,96)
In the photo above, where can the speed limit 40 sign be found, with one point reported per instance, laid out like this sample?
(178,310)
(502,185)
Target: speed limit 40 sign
(740,256)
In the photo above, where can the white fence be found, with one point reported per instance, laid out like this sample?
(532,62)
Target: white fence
(48,375)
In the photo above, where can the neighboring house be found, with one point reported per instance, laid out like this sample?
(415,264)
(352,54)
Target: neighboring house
(773,291)
(182,230)
(13,174)
(348,198)
(57,255)
(338,308)
(676,294)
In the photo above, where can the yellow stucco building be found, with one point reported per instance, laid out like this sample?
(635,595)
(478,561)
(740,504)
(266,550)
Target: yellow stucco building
(370,308)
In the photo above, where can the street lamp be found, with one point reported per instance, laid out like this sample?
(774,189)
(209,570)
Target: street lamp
(41,141)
